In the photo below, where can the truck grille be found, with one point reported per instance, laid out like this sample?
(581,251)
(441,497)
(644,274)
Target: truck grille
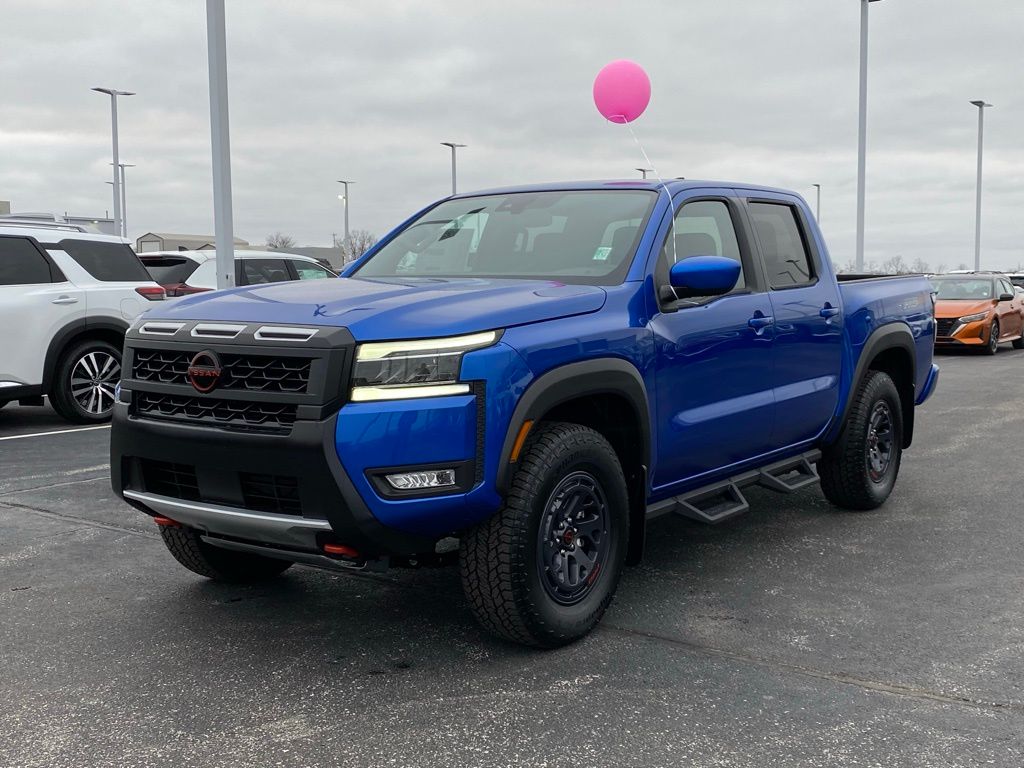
(256,373)
(944,326)
(271,493)
(266,417)
(260,493)
(175,480)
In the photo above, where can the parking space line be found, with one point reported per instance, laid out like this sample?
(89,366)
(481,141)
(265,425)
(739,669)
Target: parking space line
(55,432)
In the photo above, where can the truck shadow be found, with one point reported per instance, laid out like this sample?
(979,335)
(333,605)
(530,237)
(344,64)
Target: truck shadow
(391,623)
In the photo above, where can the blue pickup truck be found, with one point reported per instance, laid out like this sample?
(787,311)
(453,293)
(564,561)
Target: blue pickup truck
(520,379)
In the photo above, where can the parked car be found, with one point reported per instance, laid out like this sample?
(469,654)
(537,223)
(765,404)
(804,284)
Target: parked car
(977,309)
(1016,278)
(183,273)
(67,297)
(526,376)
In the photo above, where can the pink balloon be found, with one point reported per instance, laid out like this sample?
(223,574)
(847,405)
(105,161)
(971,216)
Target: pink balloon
(622,91)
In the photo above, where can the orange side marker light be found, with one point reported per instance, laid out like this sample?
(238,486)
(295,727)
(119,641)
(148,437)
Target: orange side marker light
(517,446)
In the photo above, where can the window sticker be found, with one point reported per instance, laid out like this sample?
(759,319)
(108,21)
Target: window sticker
(602,253)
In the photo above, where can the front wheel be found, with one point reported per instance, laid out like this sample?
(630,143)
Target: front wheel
(859,470)
(543,569)
(215,563)
(85,380)
(993,339)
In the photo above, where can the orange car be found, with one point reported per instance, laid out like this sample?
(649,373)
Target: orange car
(979,309)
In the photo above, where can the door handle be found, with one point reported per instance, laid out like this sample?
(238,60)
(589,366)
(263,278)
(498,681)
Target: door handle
(65,300)
(829,311)
(759,322)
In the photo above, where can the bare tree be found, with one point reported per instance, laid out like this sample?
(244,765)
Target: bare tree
(895,265)
(961,266)
(278,241)
(920,266)
(359,242)
(940,268)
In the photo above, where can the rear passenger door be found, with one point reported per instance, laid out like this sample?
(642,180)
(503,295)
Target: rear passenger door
(36,301)
(808,320)
(713,355)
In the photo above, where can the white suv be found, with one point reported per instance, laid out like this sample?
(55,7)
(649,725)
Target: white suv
(67,296)
(185,272)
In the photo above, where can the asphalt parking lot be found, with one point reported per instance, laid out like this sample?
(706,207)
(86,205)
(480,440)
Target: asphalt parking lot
(794,635)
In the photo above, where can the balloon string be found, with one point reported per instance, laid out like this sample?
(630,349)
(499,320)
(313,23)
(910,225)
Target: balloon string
(661,181)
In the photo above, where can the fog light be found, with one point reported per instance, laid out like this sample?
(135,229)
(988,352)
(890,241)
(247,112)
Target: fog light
(428,478)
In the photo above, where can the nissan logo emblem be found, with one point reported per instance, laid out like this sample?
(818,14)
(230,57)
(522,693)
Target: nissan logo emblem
(204,371)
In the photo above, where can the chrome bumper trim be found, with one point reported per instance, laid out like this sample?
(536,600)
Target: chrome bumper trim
(232,521)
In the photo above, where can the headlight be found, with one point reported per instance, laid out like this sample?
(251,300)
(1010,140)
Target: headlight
(395,370)
(972,318)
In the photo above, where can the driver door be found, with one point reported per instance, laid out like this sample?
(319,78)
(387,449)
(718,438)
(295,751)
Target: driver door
(714,356)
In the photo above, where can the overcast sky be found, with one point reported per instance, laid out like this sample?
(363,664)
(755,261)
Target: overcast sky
(743,90)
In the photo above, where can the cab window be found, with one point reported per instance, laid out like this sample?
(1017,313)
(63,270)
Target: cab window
(786,260)
(701,228)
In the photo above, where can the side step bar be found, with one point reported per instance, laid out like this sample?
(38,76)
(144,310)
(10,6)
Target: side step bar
(724,499)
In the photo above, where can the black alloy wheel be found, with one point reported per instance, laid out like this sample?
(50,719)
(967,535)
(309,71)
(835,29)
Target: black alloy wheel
(879,443)
(572,541)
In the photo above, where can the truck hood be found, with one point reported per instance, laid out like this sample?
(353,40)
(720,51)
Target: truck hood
(959,307)
(393,308)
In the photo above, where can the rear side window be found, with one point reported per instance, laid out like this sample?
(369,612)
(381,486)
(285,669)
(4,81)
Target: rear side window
(169,270)
(786,260)
(21,263)
(261,271)
(108,262)
(308,271)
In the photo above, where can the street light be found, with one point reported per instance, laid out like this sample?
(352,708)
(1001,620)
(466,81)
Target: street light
(220,142)
(344,199)
(454,146)
(645,171)
(123,232)
(817,207)
(114,93)
(980,104)
(862,133)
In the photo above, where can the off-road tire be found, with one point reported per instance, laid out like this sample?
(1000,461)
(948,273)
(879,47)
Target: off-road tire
(61,397)
(993,339)
(844,467)
(216,563)
(499,557)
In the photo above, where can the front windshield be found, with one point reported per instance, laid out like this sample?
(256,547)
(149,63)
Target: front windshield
(963,287)
(572,237)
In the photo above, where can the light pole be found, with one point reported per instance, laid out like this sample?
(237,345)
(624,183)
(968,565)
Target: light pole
(114,93)
(980,104)
(344,200)
(862,133)
(220,139)
(645,171)
(454,146)
(124,197)
(817,207)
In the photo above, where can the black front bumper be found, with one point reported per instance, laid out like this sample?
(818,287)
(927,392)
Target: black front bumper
(222,460)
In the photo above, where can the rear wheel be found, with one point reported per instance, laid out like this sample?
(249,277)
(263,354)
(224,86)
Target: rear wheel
(215,563)
(84,382)
(543,570)
(859,470)
(993,339)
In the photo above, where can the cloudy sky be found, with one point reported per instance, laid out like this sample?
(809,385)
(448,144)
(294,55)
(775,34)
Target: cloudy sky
(745,90)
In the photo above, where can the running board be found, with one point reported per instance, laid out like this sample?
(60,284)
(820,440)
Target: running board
(722,500)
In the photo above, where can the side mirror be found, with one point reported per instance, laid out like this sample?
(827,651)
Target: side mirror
(704,276)
(1006,297)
